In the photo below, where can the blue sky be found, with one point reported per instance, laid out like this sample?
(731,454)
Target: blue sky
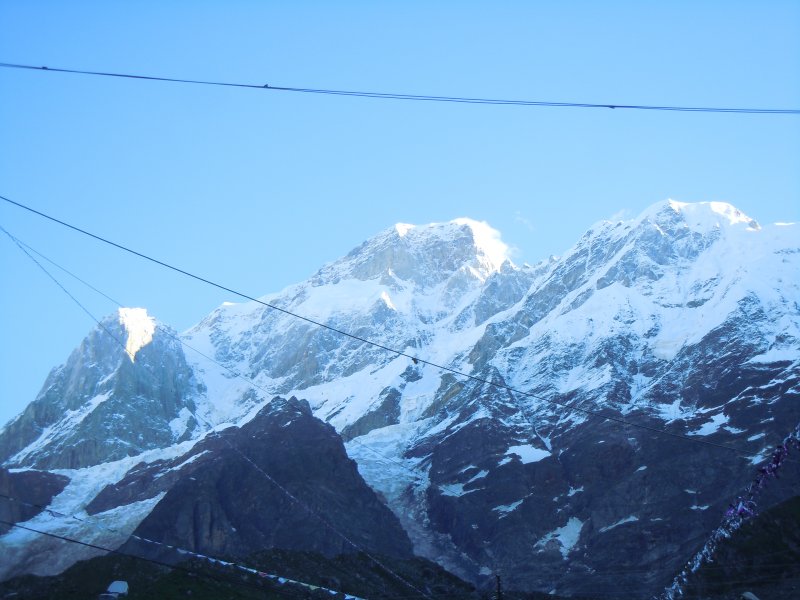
(257,189)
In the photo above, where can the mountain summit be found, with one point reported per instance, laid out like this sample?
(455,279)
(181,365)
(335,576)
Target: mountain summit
(645,339)
(126,389)
(425,255)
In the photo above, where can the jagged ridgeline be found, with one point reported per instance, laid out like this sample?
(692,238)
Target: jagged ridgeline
(685,320)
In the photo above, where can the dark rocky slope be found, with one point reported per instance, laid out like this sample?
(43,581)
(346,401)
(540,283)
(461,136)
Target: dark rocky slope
(23,495)
(762,557)
(283,480)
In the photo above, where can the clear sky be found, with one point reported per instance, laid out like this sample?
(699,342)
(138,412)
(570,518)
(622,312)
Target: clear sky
(257,189)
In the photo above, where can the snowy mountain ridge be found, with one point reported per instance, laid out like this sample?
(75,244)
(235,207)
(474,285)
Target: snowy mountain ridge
(412,283)
(371,286)
(686,318)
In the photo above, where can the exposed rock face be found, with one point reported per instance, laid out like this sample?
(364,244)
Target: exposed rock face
(106,403)
(26,494)
(283,481)
(602,502)
(606,331)
(682,326)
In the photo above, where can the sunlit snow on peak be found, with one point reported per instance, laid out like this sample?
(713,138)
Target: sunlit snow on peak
(403,228)
(712,214)
(487,240)
(140,327)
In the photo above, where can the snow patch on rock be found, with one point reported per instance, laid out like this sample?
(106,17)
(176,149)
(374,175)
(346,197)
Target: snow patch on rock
(566,536)
(629,519)
(527,453)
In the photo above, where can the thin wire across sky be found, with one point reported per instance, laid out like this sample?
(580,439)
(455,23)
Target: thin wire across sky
(410,97)
(400,353)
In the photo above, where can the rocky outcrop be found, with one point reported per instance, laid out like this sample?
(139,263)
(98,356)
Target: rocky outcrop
(106,403)
(24,494)
(559,499)
(284,481)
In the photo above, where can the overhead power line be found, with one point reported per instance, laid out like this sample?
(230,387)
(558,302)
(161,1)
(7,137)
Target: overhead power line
(227,442)
(209,427)
(291,496)
(412,97)
(757,485)
(26,249)
(497,385)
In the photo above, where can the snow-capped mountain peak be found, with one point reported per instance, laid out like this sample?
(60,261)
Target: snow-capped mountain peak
(701,217)
(140,328)
(683,319)
(424,255)
(489,247)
